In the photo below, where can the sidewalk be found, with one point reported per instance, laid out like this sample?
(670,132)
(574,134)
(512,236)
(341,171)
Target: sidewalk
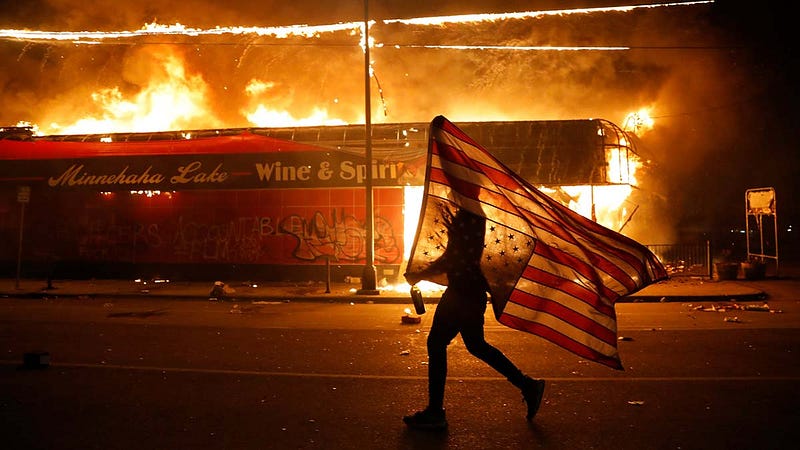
(676,289)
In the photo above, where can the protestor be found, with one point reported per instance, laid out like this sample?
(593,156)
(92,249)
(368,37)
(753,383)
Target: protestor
(461,310)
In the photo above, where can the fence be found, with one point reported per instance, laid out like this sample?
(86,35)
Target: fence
(685,260)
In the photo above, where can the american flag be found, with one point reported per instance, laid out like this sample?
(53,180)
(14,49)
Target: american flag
(551,271)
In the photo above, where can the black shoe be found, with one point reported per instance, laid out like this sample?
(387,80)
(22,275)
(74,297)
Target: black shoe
(427,419)
(532,391)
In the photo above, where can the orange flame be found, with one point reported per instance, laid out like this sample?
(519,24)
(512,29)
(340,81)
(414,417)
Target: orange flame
(638,122)
(172,99)
(262,115)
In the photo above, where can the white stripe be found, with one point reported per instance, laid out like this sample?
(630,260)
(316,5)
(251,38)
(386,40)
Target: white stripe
(578,251)
(562,327)
(486,209)
(475,153)
(568,301)
(463,173)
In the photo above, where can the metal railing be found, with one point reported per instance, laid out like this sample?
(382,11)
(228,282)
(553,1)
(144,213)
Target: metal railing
(685,260)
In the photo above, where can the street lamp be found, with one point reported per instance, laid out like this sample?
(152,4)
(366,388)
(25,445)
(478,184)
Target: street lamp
(368,277)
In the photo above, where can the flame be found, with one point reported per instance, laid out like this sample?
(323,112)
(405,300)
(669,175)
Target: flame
(33,127)
(605,204)
(638,122)
(475,18)
(622,165)
(155,30)
(170,100)
(262,115)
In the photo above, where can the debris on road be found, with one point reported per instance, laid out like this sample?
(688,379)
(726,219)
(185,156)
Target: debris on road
(763,307)
(735,307)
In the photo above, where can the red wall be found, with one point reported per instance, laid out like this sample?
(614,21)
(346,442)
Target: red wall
(267,226)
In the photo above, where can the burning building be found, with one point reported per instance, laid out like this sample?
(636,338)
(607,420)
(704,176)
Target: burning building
(266,203)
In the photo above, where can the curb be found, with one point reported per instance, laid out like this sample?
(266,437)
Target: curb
(347,298)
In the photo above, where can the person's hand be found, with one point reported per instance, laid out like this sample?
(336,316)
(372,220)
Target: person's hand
(411,278)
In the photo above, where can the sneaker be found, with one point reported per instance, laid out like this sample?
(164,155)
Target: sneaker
(532,392)
(427,419)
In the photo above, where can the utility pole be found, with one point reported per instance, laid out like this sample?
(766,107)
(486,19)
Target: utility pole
(369,277)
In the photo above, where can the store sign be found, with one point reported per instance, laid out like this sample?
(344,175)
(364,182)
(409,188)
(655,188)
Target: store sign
(211,171)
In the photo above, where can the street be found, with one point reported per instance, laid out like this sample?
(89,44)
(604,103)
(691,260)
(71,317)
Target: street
(175,374)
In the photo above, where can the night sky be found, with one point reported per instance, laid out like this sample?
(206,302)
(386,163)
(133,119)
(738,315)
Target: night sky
(720,78)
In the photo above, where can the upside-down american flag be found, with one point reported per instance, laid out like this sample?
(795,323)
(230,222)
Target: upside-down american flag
(551,271)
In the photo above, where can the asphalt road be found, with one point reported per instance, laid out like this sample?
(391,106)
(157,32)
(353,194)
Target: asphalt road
(139,374)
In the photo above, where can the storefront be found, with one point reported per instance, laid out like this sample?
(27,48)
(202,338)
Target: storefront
(258,204)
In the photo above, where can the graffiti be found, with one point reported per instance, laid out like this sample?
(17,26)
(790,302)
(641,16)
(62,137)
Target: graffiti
(106,239)
(234,241)
(344,238)
(258,228)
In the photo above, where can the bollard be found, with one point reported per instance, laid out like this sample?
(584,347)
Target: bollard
(328,277)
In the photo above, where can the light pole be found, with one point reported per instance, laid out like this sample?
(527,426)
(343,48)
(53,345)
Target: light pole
(368,277)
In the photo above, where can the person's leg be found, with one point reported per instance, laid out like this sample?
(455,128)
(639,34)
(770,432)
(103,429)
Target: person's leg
(475,341)
(444,329)
(476,344)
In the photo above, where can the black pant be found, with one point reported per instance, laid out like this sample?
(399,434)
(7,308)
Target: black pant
(462,311)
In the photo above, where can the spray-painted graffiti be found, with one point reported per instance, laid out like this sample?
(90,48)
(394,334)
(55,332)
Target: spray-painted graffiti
(108,240)
(261,227)
(235,241)
(343,238)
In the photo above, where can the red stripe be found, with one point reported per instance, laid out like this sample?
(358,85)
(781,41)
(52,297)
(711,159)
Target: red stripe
(584,293)
(559,339)
(581,267)
(474,191)
(568,315)
(455,155)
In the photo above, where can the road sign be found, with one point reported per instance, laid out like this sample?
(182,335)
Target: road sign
(23,194)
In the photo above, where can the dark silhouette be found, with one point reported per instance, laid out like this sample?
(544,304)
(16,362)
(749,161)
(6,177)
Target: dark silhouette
(461,310)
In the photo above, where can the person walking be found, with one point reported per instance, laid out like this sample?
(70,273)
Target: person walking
(461,310)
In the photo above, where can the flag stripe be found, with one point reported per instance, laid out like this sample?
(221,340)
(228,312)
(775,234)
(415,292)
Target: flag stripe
(578,288)
(559,304)
(563,320)
(609,357)
(568,264)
